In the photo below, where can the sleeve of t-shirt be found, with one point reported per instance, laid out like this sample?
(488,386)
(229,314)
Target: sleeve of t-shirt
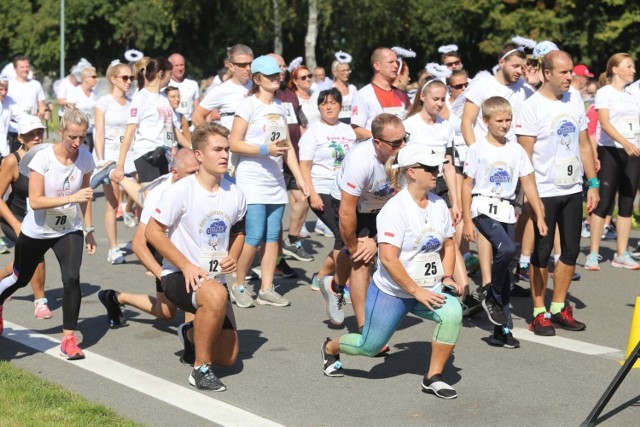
(170,206)
(150,203)
(354,178)
(390,225)
(448,228)
(359,111)
(88,164)
(72,96)
(102,103)
(307,145)
(474,92)
(527,124)
(135,110)
(471,162)
(211,100)
(245,109)
(40,162)
(602,100)
(242,205)
(40,92)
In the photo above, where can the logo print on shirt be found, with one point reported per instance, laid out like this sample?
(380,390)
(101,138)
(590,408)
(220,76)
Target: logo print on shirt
(388,234)
(216,228)
(134,112)
(337,154)
(566,130)
(431,244)
(384,191)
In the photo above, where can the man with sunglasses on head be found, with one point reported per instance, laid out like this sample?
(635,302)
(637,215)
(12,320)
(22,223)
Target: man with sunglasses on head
(379,96)
(188,88)
(361,189)
(226,97)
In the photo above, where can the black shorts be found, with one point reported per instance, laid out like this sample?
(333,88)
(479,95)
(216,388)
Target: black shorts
(289,180)
(158,258)
(176,292)
(442,190)
(147,171)
(330,218)
(365,227)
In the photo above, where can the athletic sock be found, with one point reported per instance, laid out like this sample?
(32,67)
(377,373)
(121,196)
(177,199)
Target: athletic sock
(556,257)
(525,260)
(538,310)
(292,239)
(556,307)
(337,288)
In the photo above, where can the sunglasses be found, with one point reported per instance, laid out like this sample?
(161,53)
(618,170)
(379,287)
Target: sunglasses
(452,64)
(92,77)
(307,77)
(241,64)
(431,169)
(460,86)
(398,142)
(126,78)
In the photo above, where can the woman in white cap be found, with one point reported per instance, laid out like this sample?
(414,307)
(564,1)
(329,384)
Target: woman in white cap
(14,209)
(59,195)
(415,268)
(260,138)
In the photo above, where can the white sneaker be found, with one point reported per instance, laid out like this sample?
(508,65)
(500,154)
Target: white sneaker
(304,233)
(115,256)
(323,229)
(130,219)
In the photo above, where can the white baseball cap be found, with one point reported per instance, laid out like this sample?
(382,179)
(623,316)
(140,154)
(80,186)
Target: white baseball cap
(29,123)
(413,154)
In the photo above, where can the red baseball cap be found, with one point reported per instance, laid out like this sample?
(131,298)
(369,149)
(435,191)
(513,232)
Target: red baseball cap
(582,70)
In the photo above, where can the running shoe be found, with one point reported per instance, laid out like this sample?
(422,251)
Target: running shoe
(203,378)
(586,230)
(472,264)
(541,325)
(494,311)
(1,321)
(436,386)
(518,291)
(115,256)
(315,283)
(636,251)
(295,250)
(130,220)
(101,175)
(625,261)
(240,295)
(3,246)
(332,302)
(109,298)
(471,306)
(41,309)
(323,229)
(591,263)
(330,364)
(304,232)
(284,271)
(189,354)
(347,294)
(565,320)
(271,297)
(522,272)
(502,337)
(69,348)
(609,232)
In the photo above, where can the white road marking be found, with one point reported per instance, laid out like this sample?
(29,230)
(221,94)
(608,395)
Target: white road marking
(568,344)
(186,399)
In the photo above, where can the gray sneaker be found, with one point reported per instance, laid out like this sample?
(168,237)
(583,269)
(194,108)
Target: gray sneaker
(271,297)
(295,250)
(240,295)
(333,302)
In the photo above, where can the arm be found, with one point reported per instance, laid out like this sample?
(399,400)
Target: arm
(99,133)
(180,137)
(139,247)
(469,117)
(605,124)
(469,231)
(200,114)
(238,146)
(230,263)
(85,208)
(8,174)
(361,133)
(527,143)
(118,172)
(37,199)
(349,221)
(292,162)
(528,183)
(450,179)
(314,199)
(588,163)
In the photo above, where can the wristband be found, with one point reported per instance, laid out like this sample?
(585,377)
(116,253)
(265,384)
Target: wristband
(447,277)
(264,150)
(88,230)
(593,183)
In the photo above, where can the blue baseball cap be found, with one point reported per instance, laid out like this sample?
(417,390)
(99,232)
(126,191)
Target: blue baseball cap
(265,65)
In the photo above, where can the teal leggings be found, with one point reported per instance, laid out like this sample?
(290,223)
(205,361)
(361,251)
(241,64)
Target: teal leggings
(383,314)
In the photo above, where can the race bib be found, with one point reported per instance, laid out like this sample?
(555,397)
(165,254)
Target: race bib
(168,135)
(59,220)
(274,133)
(494,208)
(291,114)
(114,139)
(28,109)
(568,171)
(629,127)
(345,110)
(427,269)
(210,262)
(399,112)
(186,106)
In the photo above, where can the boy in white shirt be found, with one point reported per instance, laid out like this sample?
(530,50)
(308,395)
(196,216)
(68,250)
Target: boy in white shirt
(491,171)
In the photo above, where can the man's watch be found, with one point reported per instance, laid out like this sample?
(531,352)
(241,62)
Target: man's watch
(88,230)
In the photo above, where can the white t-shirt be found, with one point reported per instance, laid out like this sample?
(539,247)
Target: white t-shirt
(189,91)
(260,178)
(634,90)
(116,117)
(363,175)
(154,197)
(367,106)
(326,146)
(153,115)
(455,121)
(310,108)
(496,171)
(26,95)
(482,89)
(226,98)
(63,92)
(347,103)
(59,181)
(199,220)
(327,83)
(419,233)
(82,102)
(437,136)
(624,115)
(556,124)
(9,111)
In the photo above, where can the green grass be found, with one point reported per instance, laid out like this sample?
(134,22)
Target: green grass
(26,400)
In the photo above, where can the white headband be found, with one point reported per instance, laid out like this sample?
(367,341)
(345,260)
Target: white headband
(519,49)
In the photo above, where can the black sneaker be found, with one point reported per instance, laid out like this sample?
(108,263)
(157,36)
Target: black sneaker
(522,273)
(203,378)
(565,320)
(471,306)
(435,385)
(494,311)
(109,299)
(502,337)
(518,291)
(331,364)
(284,271)
(295,250)
(189,354)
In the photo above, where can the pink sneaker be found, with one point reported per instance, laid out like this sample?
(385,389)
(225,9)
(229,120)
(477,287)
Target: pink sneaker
(42,310)
(69,348)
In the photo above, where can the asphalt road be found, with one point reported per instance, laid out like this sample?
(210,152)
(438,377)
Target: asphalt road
(548,381)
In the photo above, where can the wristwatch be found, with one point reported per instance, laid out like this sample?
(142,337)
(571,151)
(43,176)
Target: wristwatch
(88,230)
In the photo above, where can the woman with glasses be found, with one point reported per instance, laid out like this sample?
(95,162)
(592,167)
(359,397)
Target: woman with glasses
(300,83)
(260,138)
(341,72)
(83,98)
(415,267)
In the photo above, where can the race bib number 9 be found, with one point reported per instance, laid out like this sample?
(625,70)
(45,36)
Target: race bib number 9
(427,269)
(210,262)
(568,171)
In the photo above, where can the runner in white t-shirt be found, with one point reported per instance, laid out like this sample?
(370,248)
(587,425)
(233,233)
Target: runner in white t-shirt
(198,227)
(9,111)
(379,96)
(225,98)
(59,195)
(83,98)
(552,129)
(619,157)
(341,71)
(415,265)
(180,123)
(189,89)
(27,94)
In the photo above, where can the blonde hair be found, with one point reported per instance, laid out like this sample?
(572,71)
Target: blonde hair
(87,71)
(614,61)
(428,84)
(73,116)
(113,71)
(495,104)
(397,176)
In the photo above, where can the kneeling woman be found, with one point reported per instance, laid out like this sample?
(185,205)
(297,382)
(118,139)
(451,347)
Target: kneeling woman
(415,264)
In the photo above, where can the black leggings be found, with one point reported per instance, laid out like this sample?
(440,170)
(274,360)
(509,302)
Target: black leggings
(618,173)
(68,250)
